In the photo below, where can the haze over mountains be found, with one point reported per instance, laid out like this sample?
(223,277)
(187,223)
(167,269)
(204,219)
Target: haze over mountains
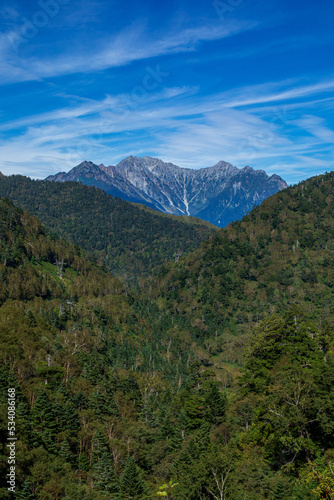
(218,194)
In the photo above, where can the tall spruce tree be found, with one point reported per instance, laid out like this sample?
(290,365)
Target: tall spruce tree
(104,474)
(279,493)
(25,492)
(102,463)
(65,451)
(42,413)
(215,406)
(132,485)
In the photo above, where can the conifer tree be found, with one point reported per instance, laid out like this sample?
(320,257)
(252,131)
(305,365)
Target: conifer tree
(112,407)
(23,416)
(102,462)
(99,446)
(131,388)
(42,413)
(71,418)
(203,437)
(183,423)
(216,406)
(176,439)
(132,485)
(279,492)
(97,402)
(166,430)
(80,401)
(65,451)
(194,410)
(104,475)
(25,493)
(48,441)
(83,462)
(31,318)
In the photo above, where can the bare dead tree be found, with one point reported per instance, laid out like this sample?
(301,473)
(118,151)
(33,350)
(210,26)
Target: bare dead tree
(220,480)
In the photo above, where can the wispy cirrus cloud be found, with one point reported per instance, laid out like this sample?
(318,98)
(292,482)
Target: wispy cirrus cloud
(276,92)
(316,126)
(129,45)
(101,79)
(184,127)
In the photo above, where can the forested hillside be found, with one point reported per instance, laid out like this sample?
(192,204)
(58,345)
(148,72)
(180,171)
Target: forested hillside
(91,374)
(215,382)
(280,254)
(130,240)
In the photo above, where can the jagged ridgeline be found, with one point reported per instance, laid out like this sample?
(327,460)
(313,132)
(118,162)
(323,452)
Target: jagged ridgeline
(218,194)
(130,240)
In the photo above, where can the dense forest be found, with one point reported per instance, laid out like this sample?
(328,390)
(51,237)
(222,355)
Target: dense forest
(215,381)
(129,239)
(280,254)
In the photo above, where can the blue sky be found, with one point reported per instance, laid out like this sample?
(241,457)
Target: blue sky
(192,82)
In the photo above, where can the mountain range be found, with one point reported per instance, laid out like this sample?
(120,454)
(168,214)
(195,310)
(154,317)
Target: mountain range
(218,194)
(219,368)
(129,239)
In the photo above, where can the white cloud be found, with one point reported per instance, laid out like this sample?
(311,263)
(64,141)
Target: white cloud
(178,125)
(270,92)
(132,44)
(316,126)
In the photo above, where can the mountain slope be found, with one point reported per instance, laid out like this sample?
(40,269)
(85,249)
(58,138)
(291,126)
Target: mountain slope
(130,240)
(111,401)
(71,341)
(280,254)
(218,194)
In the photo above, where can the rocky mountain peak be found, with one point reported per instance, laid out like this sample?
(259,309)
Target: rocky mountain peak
(218,194)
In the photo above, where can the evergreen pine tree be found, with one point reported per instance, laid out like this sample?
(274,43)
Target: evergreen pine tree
(176,438)
(194,409)
(103,404)
(166,430)
(83,462)
(203,439)
(279,492)
(42,413)
(99,446)
(183,423)
(71,418)
(31,318)
(104,475)
(65,451)
(48,441)
(132,485)
(216,406)
(25,493)
(102,464)
(80,401)
(131,389)
(112,407)
(23,416)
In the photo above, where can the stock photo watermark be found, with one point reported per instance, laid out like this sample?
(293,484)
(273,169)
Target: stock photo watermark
(48,9)
(257,142)
(151,81)
(11,446)
(226,7)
